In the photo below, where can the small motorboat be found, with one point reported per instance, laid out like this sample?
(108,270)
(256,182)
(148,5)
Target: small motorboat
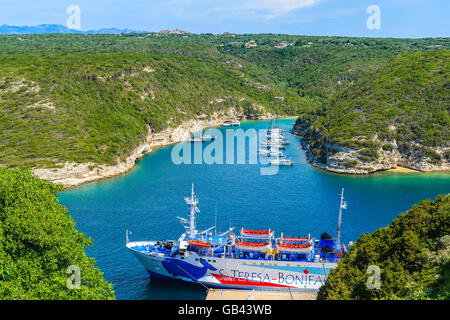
(281,162)
(202,138)
(208,138)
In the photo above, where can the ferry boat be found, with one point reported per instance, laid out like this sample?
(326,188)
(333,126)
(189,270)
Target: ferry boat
(250,259)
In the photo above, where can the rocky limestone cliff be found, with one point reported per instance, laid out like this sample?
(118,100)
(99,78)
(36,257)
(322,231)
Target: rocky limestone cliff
(346,160)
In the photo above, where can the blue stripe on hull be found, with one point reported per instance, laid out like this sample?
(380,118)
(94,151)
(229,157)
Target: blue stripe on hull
(164,277)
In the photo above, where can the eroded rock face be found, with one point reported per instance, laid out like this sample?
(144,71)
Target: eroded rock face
(72,174)
(348,160)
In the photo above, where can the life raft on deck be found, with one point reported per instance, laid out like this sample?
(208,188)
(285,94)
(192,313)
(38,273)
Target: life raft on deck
(298,245)
(257,234)
(264,246)
(199,244)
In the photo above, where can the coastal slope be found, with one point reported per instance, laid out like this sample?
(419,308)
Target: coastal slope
(75,118)
(395,116)
(77,108)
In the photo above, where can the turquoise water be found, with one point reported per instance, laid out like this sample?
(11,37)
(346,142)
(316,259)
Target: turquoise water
(297,201)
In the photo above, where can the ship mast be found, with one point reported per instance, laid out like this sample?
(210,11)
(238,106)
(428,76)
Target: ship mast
(342,205)
(193,209)
(192,202)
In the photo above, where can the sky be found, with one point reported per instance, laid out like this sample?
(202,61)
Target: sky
(397,18)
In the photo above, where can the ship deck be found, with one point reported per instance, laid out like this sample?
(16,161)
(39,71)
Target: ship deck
(220,250)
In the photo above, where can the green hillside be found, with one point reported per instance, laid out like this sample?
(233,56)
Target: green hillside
(38,243)
(90,98)
(95,107)
(403,107)
(413,254)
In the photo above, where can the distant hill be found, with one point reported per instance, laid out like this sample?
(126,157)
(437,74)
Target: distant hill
(397,115)
(57,28)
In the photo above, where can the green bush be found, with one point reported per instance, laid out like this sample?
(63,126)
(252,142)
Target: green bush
(410,92)
(38,242)
(412,254)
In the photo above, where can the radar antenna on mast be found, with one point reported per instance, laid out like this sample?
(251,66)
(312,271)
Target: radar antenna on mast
(192,202)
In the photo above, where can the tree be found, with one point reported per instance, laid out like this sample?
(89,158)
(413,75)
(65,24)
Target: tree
(413,254)
(39,242)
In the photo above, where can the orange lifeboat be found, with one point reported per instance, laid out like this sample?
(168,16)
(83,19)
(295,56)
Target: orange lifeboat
(252,246)
(199,244)
(255,232)
(298,245)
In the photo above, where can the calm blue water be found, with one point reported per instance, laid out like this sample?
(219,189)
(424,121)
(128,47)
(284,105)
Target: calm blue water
(297,201)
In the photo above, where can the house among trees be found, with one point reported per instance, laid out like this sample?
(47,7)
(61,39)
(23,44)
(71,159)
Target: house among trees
(251,44)
(283,44)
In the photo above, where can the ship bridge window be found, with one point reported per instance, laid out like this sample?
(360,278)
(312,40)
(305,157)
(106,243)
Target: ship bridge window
(196,259)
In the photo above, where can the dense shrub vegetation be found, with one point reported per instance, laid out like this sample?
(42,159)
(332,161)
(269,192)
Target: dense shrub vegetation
(406,101)
(38,242)
(95,107)
(413,254)
(76,97)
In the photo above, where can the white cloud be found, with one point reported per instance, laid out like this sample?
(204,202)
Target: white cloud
(269,9)
(278,7)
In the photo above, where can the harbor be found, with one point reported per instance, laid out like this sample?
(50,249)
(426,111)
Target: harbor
(273,144)
(147,200)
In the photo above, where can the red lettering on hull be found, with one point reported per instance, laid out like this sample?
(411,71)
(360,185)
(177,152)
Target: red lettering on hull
(246,282)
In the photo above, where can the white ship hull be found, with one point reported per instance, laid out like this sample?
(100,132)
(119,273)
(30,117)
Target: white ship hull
(234,273)
(254,259)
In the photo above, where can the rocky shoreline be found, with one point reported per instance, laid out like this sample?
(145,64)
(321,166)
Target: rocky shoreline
(74,174)
(388,160)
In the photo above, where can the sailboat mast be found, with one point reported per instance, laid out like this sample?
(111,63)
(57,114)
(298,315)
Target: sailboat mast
(193,205)
(215,222)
